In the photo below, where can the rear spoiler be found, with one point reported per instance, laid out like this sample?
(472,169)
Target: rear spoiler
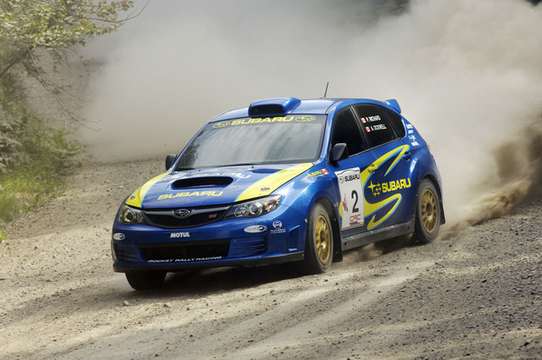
(394,104)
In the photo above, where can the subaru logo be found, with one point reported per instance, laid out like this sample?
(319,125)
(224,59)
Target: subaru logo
(182,213)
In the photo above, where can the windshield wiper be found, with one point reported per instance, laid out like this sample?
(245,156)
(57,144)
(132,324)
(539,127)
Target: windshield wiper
(184,169)
(232,165)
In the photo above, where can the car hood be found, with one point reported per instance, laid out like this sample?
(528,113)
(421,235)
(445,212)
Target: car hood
(216,186)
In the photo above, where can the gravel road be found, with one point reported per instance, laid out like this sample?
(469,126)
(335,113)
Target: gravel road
(475,295)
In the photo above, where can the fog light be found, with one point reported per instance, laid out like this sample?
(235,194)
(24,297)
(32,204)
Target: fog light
(119,236)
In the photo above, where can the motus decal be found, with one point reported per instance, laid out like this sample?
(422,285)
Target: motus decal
(389,186)
(179,235)
(190,194)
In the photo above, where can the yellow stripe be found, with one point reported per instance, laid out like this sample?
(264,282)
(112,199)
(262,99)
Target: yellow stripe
(136,199)
(272,182)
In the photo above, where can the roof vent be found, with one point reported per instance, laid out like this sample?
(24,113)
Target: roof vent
(273,107)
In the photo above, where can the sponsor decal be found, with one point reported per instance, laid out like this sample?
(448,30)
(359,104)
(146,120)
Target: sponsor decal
(321,172)
(238,175)
(186,194)
(348,177)
(356,219)
(186,260)
(255,229)
(179,235)
(370,119)
(389,186)
(409,126)
(278,227)
(413,140)
(267,120)
(377,127)
(352,203)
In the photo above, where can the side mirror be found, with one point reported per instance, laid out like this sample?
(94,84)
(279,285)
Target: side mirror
(170,160)
(338,152)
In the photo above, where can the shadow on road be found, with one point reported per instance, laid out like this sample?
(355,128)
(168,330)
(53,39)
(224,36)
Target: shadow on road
(195,283)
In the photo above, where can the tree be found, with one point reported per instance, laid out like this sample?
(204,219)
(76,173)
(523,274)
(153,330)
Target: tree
(28,25)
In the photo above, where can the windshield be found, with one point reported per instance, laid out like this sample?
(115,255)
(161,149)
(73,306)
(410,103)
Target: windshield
(293,138)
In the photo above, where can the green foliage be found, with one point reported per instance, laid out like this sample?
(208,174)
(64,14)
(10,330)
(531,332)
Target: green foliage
(46,155)
(33,156)
(30,24)
(55,25)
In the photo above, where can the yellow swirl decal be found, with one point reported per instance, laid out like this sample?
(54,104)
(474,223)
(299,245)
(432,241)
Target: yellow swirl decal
(372,208)
(136,199)
(272,182)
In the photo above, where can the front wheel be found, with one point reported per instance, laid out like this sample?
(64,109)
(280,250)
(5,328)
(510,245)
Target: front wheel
(428,213)
(145,280)
(319,243)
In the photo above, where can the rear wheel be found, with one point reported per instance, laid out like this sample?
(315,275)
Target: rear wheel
(145,280)
(319,243)
(428,213)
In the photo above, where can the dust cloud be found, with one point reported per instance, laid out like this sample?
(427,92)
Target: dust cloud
(467,73)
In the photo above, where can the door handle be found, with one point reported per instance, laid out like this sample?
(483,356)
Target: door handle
(372,168)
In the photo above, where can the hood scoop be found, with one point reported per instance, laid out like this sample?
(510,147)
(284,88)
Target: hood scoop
(198,182)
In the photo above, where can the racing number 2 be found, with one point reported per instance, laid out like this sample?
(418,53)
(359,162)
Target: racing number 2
(355,196)
(351,206)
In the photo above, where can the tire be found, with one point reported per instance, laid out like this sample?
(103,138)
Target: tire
(319,243)
(428,214)
(145,280)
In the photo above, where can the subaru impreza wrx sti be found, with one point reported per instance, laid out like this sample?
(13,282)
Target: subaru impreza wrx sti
(284,180)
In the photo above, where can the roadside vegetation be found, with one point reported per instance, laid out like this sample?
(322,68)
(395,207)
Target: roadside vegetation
(35,156)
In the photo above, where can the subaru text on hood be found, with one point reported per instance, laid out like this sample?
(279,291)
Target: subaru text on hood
(283,180)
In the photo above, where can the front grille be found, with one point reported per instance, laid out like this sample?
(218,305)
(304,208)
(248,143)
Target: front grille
(194,251)
(198,217)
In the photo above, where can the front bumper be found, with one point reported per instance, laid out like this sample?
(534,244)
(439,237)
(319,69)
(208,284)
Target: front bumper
(146,247)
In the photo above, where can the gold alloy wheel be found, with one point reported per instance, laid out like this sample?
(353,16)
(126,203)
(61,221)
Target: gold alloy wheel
(322,236)
(429,210)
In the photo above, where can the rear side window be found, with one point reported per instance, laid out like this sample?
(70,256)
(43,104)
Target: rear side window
(346,130)
(396,123)
(376,124)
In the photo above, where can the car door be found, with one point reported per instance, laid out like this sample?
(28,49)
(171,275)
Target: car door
(348,171)
(388,184)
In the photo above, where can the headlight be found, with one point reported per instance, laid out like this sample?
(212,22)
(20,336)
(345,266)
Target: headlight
(255,208)
(128,215)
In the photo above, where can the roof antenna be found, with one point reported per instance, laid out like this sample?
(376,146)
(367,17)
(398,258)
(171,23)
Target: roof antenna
(325,92)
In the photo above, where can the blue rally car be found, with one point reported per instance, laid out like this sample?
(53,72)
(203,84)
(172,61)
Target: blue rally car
(283,180)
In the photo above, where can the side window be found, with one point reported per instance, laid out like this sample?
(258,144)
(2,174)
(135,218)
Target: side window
(396,123)
(375,124)
(346,130)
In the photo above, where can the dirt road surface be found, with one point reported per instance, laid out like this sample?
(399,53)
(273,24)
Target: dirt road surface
(477,295)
